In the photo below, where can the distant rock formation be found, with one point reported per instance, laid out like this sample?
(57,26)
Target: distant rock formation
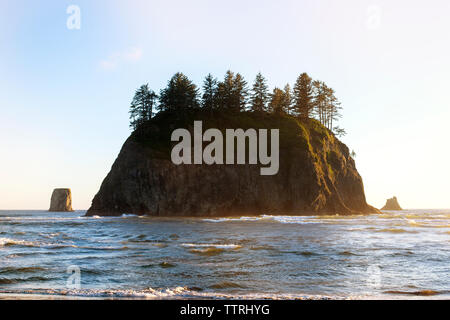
(317,174)
(392,204)
(61,200)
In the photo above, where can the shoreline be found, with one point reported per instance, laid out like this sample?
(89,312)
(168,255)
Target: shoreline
(381,296)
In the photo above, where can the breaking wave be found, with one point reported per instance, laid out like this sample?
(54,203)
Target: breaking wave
(4,242)
(415,293)
(167,293)
(208,249)
(211,245)
(395,230)
(270,218)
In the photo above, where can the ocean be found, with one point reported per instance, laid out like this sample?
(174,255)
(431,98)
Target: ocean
(395,255)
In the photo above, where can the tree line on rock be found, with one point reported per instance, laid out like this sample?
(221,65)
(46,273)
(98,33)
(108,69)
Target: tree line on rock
(307,99)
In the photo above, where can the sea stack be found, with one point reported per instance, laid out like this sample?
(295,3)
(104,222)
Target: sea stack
(317,174)
(61,200)
(392,204)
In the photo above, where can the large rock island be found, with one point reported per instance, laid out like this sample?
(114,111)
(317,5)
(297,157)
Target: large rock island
(316,173)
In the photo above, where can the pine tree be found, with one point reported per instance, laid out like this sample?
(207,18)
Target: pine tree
(303,96)
(320,100)
(141,108)
(232,92)
(287,102)
(180,94)
(277,101)
(240,93)
(334,108)
(340,132)
(225,91)
(327,107)
(210,88)
(259,96)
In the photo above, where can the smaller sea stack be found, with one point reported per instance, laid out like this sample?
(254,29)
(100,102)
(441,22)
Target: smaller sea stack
(392,204)
(61,200)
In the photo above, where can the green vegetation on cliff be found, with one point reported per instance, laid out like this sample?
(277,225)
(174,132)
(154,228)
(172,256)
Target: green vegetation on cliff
(156,133)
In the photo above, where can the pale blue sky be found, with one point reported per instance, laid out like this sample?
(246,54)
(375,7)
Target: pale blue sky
(65,93)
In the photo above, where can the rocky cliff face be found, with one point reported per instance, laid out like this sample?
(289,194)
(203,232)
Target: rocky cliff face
(61,200)
(392,204)
(316,174)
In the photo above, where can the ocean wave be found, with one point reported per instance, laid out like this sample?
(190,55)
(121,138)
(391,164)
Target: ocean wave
(9,270)
(49,235)
(165,293)
(155,243)
(294,219)
(340,217)
(429,224)
(426,216)
(347,253)
(7,281)
(415,293)
(4,242)
(244,218)
(206,245)
(395,230)
(280,219)
(227,285)
(208,249)
(166,265)
(101,248)
(129,215)
(262,247)
(39,219)
(21,280)
(149,293)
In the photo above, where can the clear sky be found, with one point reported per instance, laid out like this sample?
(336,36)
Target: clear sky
(65,93)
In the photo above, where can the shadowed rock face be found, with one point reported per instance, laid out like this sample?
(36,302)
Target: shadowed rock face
(392,204)
(61,200)
(316,174)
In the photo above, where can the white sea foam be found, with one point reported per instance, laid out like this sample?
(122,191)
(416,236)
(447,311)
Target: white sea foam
(280,219)
(8,241)
(167,293)
(234,219)
(293,219)
(17,242)
(211,245)
(186,293)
